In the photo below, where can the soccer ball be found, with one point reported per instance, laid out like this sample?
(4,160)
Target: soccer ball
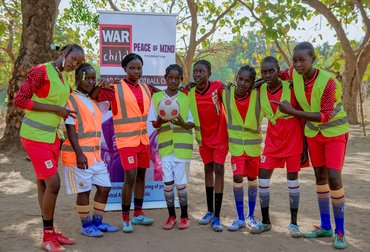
(168,109)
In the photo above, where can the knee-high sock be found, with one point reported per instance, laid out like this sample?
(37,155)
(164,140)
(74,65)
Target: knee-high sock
(239,199)
(337,200)
(84,213)
(169,195)
(183,198)
(98,212)
(264,193)
(218,204)
(209,195)
(323,199)
(252,196)
(293,188)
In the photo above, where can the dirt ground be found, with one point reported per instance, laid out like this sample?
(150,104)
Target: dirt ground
(21,226)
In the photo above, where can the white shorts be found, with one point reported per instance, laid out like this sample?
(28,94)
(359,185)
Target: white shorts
(175,169)
(79,180)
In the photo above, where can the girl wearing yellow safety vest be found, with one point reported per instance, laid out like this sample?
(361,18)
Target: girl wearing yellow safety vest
(175,144)
(283,145)
(81,155)
(44,95)
(326,129)
(244,117)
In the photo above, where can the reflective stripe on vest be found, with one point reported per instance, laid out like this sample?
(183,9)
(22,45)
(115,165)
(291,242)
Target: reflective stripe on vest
(88,129)
(338,123)
(266,105)
(42,126)
(173,139)
(129,122)
(194,111)
(244,136)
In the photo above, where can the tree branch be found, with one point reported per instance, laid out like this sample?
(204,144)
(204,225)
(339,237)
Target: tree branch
(215,23)
(113,6)
(282,52)
(334,22)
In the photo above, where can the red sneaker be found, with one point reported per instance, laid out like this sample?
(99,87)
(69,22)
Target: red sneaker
(184,223)
(170,223)
(50,243)
(64,240)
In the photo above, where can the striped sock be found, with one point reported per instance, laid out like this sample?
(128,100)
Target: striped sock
(264,193)
(337,200)
(98,213)
(239,199)
(84,213)
(138,207)
(169,195)
(293,188)
(126,212)
(323,199)
(183,198)
(252,196)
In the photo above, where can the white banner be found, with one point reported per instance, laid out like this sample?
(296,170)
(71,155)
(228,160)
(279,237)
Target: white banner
(153,37)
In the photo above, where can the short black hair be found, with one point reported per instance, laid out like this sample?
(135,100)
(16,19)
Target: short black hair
(176,68)
(250,69)
(129,57)
(305,46)
(71,47)
(206,63)
(82,69)
(270,59)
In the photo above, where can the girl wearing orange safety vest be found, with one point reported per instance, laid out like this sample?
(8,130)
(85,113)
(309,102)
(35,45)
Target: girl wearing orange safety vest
(130,104)
(81,156)
(44,95)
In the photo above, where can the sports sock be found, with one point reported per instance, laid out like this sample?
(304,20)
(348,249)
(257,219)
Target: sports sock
(209,195)
(293,188)
(183,198)
(170,198)
(98,213)
(337,200)
(138,207)
(252,196)
(48,230)
(264,193)
(322,192)
(239,199)
(84,213)
(218,204)
(126,212)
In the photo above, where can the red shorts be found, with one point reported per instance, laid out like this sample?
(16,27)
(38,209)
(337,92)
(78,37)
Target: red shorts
(245,165)
(292,163)
(135,157)
(44,156)
(217,155)
(327,151)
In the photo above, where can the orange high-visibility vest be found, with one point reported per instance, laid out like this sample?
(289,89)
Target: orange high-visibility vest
(129,123)
(88,129)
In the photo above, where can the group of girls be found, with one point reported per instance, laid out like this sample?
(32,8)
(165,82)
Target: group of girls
(226,118)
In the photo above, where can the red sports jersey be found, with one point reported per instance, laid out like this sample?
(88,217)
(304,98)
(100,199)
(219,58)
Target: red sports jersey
(243,104)
(328,98)
(285,138)
(211,114)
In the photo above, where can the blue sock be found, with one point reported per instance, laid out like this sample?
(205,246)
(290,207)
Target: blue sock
(323,199)
(239,199)
(337,200)
(252,196)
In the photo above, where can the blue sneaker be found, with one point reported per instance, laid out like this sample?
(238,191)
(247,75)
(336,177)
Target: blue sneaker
(207,218)
(105,227)
(127,227)
(237,224)
(142,220)
(251,222)
(216,224)
(91,231)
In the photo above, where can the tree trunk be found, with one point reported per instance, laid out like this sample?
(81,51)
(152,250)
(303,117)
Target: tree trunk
(38,17)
